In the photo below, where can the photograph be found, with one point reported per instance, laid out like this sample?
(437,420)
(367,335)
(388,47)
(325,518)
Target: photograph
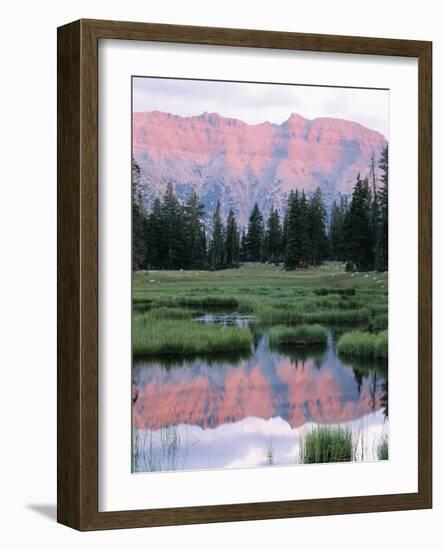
(259,274)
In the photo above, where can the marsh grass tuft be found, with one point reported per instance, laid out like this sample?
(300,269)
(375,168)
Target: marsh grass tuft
(337,316)
(272,313)
(340,291)
(364,344)
(168,313)
(327,444)
(301,335)
(378,322)
(383,448)
(154,336)
(207,301)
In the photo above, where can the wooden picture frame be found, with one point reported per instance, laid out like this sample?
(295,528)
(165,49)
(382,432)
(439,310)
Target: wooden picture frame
(77,459)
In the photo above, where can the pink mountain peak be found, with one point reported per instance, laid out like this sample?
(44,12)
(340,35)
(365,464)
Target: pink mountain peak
(295,117)
(238,163)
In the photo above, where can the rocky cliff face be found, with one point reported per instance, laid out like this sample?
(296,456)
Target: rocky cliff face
(239,164)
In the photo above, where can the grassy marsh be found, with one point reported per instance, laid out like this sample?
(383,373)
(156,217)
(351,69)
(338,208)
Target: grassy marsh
(272,296)
(155,336)
(364,344)
(327,444)
(308,314)
(301,335)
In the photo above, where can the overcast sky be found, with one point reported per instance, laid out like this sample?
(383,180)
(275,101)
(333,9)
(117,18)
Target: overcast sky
(255,103)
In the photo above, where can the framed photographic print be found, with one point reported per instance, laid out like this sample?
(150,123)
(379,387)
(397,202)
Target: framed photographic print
(244,275)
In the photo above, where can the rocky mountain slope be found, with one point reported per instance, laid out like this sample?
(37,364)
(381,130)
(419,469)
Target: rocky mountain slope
(239,163)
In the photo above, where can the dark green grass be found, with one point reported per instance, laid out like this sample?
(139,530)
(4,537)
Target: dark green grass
(358,315)
(168,313)
(208,301)
(364,344)
(301,335)
(378,322)
(339,291)
(157,336)
(327,444)
(383,449)
(273,313)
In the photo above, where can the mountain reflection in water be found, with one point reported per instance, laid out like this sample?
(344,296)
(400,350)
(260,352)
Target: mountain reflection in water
(251,409)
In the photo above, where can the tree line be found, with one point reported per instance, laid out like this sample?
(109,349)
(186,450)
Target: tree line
(173,235)
(358,232)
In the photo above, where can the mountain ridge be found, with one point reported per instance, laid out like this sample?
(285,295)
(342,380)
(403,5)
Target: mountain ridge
(239,164)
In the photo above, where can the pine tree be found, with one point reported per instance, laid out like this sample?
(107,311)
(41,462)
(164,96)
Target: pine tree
(243,246)
(255,235)
(216,248)
(272,243)
(195,232)
(382,248)
(318,238)
(375,208)
(303,233)
(336,229)
(139,223)
(232,241)
(156,244)
(174,235)
(358,228)
(284,232)
(292,229)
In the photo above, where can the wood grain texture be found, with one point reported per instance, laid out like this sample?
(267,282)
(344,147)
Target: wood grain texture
(425,273)
(68,275)
(77,174)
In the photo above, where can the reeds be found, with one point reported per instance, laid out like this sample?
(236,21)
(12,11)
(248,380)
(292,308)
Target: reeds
(208,301)
(337,316)
(364,344)
(156,336)
(340,291)
(383,449)
(301,335)
(327,444)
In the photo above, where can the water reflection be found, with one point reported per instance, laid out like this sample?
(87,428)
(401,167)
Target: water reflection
(251,409)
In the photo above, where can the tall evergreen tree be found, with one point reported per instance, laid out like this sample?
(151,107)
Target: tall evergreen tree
(156,243)
(232,241)
(272,244)
(216,248)
(292,230)
(139,223)
(195,232)
(303,233)
(336,229)
(255,235)
(284,232)
(375,207)
(243,246)
(358,227)
(382,245)
(318,238)
(174,234)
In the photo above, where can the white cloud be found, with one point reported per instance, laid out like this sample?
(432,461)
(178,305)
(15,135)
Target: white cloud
(255,103)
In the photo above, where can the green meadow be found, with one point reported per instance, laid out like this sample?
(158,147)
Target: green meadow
(288,305)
